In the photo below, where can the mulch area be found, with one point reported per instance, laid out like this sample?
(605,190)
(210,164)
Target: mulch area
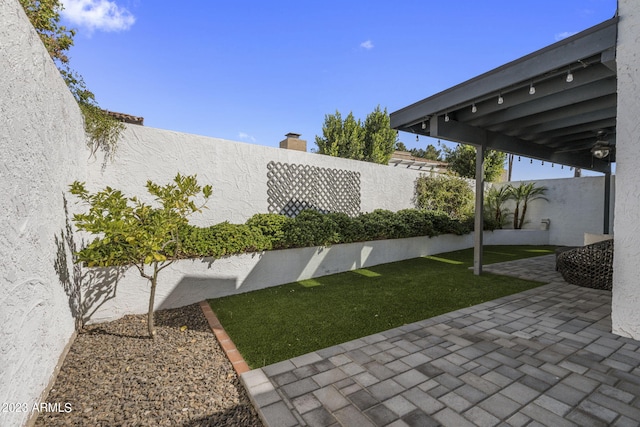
(114,375)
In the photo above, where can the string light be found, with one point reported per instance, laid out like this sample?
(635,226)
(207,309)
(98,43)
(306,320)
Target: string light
(518,158)
(543,163)
(417,138)
(446,117)
(474,108)
(569,76)
(531,161)
(424,125)
(532,89)
(500,99)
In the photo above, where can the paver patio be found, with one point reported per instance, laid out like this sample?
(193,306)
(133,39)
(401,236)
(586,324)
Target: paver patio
(543,357)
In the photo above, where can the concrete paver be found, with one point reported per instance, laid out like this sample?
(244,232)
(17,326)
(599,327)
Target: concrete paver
(541,357)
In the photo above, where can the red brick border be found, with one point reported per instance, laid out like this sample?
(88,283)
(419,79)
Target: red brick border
(225,341)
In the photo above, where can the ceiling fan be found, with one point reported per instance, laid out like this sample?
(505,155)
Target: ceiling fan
(599,149)
(602,147)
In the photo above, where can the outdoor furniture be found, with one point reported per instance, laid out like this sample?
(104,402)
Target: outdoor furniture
(561,249)
(590,266)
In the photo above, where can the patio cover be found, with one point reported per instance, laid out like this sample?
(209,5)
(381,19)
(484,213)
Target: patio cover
(554,105)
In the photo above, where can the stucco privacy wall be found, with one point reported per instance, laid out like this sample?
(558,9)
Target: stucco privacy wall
(237,172)
(575,207)
(41,150)
(626,284)
(189,281)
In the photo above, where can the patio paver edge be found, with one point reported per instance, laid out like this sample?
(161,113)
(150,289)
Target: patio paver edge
(229,348)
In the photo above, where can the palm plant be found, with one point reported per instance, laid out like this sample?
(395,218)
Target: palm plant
(494,204)
(522,195)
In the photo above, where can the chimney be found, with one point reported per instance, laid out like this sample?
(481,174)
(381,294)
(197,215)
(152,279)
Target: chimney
(293,142)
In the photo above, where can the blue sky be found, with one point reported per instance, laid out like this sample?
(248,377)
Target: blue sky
(252,71)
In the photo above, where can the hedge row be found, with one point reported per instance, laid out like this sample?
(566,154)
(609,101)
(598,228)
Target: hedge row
(311,228)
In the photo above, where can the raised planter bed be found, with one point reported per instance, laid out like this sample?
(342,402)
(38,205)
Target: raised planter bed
(188,281)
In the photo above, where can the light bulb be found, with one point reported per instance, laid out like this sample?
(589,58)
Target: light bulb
(569,77)
(446,117)
(424,125)
(532,90)
(417,138)
(500,100)
(474,108)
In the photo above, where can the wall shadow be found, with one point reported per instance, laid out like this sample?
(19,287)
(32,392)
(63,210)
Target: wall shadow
(193,289)
(86,289)
(279,267)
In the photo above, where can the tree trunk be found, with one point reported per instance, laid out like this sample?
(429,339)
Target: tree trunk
(154,282)
(524,211)
(516,211)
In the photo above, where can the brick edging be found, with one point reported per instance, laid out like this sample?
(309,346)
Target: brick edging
(227,345)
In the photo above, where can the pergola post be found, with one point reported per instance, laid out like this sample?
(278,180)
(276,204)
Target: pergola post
(607,202)
(479,217)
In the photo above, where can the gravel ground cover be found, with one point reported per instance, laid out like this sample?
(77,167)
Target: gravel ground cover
(114,375)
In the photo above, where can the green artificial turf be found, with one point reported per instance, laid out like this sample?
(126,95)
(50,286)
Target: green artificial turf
(285,321)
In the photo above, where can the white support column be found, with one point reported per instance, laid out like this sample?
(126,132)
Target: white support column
(625,315)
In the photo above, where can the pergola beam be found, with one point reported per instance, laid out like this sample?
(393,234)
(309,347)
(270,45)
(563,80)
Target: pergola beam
(463,133)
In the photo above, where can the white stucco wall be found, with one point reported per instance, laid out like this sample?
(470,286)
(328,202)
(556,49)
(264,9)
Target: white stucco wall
(41,151)
(189,281)
(237,171)
(626,282)
(575,207)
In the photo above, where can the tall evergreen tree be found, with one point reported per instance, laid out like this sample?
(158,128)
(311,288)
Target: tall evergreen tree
(379,138)
(372,141)
(341,138)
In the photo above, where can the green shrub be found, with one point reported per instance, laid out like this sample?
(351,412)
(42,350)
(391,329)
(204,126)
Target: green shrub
(382,224)
(271,226)
(222,239)
(448,194)
(310,228)
(418,222)
(349,229)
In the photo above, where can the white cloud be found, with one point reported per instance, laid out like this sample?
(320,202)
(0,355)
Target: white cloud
(103,15)
(243,135)
(564,35)
(367,45)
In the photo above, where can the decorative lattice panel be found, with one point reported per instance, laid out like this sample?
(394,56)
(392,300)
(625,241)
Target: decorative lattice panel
(291,188)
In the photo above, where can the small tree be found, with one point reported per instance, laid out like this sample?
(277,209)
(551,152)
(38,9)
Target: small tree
(462,160)
(401,147)
(136,233)
(522,195)
(431,153)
